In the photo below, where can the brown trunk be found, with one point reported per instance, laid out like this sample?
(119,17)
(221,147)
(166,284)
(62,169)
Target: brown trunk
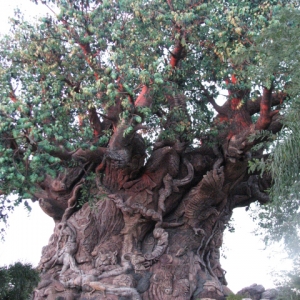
(152,231)
(118,254)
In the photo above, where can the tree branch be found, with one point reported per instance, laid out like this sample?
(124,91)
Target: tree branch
(276,99)
(170,4)
(95,122)
(144,99)
(95,156)
(177,54)
(219,109)
(266,115)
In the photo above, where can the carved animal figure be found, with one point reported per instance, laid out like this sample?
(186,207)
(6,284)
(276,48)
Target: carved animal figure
(203,200)
(162,243)
(123,280)
(113,290)
(181,289)
(106,259)
(65,255)
(162,285)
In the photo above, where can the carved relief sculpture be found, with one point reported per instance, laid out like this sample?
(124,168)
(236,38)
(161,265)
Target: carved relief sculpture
(109,121)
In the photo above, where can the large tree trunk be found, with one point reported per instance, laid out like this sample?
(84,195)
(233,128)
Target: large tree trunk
(157,236)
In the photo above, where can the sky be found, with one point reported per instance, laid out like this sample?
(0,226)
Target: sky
(247,261)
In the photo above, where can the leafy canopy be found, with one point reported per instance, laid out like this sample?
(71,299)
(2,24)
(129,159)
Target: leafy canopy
(279,45)
(89,58)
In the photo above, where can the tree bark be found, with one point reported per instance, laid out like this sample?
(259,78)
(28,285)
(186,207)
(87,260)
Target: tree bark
(153,231)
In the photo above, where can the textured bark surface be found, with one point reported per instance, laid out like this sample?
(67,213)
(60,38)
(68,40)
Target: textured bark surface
(151,232)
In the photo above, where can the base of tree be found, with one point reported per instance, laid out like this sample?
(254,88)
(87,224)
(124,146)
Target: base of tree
(98,254)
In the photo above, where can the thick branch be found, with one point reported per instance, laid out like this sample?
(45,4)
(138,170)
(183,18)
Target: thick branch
(276,99)
(95,122)
(265,116)
(144,99)
(177,54)
(95,156)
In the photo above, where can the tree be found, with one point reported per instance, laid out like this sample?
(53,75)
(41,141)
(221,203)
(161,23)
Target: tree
(279,220)
(109,119)
(288,283)
(18,281)
(279,46)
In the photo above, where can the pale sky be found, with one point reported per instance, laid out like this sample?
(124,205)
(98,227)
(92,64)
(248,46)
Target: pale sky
(247,262)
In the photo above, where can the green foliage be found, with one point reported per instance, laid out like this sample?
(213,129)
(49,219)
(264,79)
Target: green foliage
(234,297)
(257,165)
(278,45)
(286,157)
(277,49)
(288,284)
(55,71)
(17,281)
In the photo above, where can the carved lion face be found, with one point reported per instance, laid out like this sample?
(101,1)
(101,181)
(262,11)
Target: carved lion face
(105,259)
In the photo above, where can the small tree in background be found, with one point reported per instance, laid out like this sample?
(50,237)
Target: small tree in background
(17,281)
(280,219)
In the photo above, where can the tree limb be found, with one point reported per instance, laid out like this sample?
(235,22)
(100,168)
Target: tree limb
(264,119)
(253,106)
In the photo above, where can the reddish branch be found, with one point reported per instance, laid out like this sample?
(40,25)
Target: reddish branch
(95,122)
(85,47)
(170,4)
(235,101)
(80,121)
(266,114)
(253,106)
(122,90)
(177,54)
(143,98)
(234,110)
(12,96)
(88,55)
(261,105)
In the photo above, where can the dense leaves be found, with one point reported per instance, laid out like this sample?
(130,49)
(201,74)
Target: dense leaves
(17,281)
(70,79)
(279,46)
(58,73)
